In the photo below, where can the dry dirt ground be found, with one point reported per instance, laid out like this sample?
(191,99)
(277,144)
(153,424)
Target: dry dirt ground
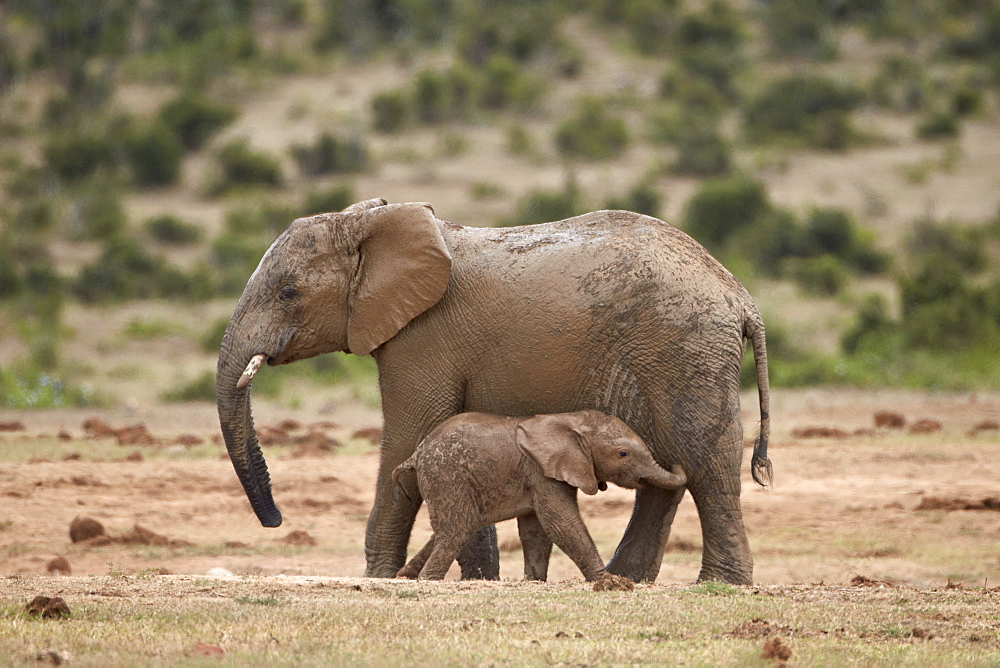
(849,498)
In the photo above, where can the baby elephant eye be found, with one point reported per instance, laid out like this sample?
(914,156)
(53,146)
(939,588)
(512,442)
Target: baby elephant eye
(623,454)
(287,292)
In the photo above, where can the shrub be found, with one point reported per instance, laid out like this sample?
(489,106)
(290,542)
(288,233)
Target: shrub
(234,258)
(702,153)
(964,245)
(334,198)
(201,388)
(649,22)
(821,275)
(801,106)
(938,125)
(799,27)
(591,132)
(390,111)
(241,165)
(259,218)
(642,198)
(834,232)
(519,140)
(709,45)
(722,207)
(75,156)
(330,154)
(123,271)
(194,119)
(966,100)
(102,214)
(504,85)
(172,230)
(154,154)
(542,206)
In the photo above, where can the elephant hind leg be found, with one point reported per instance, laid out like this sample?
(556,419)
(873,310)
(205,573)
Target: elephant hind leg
(480,558)
(446,548)
(536,546)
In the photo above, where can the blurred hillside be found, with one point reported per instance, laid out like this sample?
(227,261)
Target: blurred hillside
(842,157)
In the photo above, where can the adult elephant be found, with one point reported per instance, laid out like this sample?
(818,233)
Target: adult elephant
(610,310)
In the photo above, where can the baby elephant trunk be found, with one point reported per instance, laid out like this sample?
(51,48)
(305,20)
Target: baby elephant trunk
(660,477)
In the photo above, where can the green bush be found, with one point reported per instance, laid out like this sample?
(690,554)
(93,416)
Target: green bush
(966,100)
(649,22)
(799,27)
(154,155)
(75,156)
(644,197)
(194,120)
(902,84)
(722,207)
(390,111)
(241,165)
(234,258)
(591,133)
(821,275)
(965,245)
(202,388)
(702,153)
(809,108)
(834,232)
(123,271)
(941,124)
(542,206)
(504,85)
(102,213)
(172,230)
(260,218)
(330,154)
(211,339)
(334,198)
(709,46)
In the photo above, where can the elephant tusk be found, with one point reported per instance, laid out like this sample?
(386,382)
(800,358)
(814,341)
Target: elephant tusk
(252,367)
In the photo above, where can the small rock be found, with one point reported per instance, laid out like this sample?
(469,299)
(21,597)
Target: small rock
(204,649)
(97,428)
(54,656)
(59,566)
(775,649)
(189,440)
(925,427)
(889,420)
(134,456)
(612,582)
(71,457)
(64,435)
(819,432)
(135,434)
(373,434)
(84,528)
(12,425)
(219,572)
(298,538)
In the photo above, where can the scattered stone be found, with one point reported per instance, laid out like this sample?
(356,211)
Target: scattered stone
(12,425)
(318,439)
(72,457)
(985,425)
(64,435)
(289,425)
(862,581)
(58,566)
(612,582)
(324,424)
(219,572)
(819,432)
(922,633)
(776,650)
(889,420)
(47,608)
(204,649)
(298,538)
(935,503)
(373,434)
(85,528)
(189,440)
(134,456)
(140,535)
(175,450)
(86,480)
(925,427)
(135,434)
(97,428)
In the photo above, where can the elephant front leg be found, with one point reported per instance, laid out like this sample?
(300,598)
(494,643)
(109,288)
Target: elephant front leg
(536,546)
(726,556)
(640,551)
(559,516)
(389,526)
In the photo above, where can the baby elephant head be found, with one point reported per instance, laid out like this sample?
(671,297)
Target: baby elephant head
(589,448)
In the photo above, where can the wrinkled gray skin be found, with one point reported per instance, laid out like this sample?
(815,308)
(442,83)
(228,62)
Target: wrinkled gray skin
(612,310)
(476,469)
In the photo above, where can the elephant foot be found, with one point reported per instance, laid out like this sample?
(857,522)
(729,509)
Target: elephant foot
(733,576)
(610,582)
(408,572)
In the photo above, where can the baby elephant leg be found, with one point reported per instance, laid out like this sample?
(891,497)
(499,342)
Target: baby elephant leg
(559,515)
(536,546)
(412,568)
(455,520)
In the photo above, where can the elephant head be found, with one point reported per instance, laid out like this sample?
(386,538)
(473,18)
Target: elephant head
(587,449)
(346,281)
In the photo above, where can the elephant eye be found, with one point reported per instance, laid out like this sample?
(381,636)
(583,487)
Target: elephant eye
(287,292)
(622,454)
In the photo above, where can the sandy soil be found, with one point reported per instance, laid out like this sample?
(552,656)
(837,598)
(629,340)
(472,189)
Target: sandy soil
(842,505)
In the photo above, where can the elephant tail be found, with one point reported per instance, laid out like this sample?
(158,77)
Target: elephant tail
(405,476)
(760,465)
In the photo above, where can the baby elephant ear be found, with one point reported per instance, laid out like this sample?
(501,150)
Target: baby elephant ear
(404,269)
(555,444)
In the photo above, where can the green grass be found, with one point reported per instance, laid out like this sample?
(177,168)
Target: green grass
(160,621)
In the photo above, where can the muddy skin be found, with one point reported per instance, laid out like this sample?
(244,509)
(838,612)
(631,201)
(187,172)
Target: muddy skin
(611,310)
(477,469)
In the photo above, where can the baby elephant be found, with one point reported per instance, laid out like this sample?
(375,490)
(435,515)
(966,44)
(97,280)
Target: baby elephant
(476,469)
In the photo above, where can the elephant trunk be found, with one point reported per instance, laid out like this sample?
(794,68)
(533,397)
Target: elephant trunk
(660,477)
(236,420)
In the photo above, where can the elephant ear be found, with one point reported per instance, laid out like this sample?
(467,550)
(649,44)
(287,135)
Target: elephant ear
(404,269)
(358,207)
(556,443)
